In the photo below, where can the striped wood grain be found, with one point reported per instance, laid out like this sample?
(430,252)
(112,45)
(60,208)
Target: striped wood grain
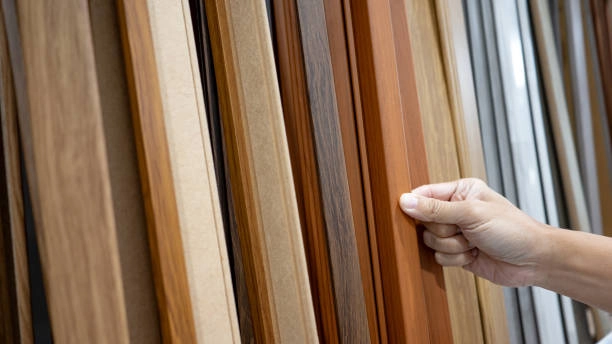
(346,274)
(336,15)
(16,319)
(300,137)
(164,228)
(260,171)
(60,121)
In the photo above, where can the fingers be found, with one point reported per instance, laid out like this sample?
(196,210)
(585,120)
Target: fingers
(452,245)
(441,191)
(442,230)
(432,210)
(456,259)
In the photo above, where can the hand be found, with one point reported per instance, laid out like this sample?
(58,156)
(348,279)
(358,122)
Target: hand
(470,225)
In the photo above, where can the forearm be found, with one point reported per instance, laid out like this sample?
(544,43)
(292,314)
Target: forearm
(578,265)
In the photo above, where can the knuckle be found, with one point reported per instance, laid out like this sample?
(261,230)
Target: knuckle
(435,209)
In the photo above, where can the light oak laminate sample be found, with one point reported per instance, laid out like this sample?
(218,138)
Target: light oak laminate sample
(60,121)
(214,309)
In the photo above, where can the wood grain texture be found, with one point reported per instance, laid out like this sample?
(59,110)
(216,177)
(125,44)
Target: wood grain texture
(344,259)
(345,99)
(215,128)
(442,159)
(193,173)
(393,132)
(164,228)
(363,155)
(604,42)
(16,319)
(601,132)
(128,205)
(60,121)
(300,137)
(469,145)
(260,171)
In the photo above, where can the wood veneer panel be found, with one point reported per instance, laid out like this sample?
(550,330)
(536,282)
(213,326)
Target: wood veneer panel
(16,319)
(260,171)
(211,103)
(164,228)
(60,121)
(363,155)
(128,205)
(300,137)
(345,97)
(604,42)
(442,157)
(469,145)
(193,172)
(395,143)
(601,133)
(346,274)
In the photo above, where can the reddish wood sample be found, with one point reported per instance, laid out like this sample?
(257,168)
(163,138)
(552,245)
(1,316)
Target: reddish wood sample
(413,286)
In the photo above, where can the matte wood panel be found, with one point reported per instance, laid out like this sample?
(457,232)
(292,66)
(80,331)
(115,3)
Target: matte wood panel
(300,137)
(211,103)
(164,228)
(335,16)
(363,157)
(16,315)
(460,81)
(128,205)
(442,158)
(413,286)
(604,42)
(260,171)
(601,131)
(346,275)
(60,121)
(208,273)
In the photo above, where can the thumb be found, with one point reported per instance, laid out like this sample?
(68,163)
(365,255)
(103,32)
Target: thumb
(430,209)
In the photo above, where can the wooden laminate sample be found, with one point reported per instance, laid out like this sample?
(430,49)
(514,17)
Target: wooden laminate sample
(60,121)
(16,318)
(128,205)
(346,98)
(211,103)
(413,286)
(604,42)
(164,228)
(193,172)
(296,111)
(336,201)
(347,127)
(601,132)
(460,82)
(442,157)
(260,172)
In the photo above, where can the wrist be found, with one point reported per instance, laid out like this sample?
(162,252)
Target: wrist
(546,252)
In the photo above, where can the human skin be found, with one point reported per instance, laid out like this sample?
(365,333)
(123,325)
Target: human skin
(472,226)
